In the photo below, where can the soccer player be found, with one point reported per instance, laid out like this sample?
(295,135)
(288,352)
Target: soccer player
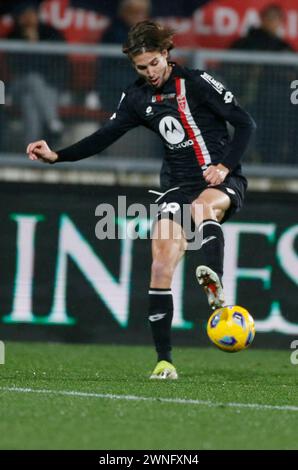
(189,110)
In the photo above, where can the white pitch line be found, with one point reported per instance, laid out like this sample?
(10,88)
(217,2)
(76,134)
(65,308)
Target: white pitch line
(179,401)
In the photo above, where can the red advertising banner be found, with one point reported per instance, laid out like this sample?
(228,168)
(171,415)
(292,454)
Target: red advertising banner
(220,22)
(78,25)
(215,25)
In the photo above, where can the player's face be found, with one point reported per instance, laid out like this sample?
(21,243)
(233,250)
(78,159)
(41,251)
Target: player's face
(153,66)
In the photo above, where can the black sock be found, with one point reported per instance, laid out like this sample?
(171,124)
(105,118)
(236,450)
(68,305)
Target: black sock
(160,319)
(212,247)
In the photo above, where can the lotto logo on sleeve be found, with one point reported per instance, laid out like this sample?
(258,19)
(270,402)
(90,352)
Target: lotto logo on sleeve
(228,98)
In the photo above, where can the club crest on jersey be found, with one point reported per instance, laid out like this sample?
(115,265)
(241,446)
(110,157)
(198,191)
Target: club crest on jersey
(181,100)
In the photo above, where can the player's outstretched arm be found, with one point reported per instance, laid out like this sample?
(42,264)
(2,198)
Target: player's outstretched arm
(40,150)
(122,121)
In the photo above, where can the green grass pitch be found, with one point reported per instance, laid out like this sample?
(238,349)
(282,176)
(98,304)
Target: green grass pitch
(56,396)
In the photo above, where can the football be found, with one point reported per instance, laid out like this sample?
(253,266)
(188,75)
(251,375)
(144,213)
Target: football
(231,328)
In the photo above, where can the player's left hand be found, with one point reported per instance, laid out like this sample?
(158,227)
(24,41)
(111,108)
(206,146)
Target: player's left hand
(215,174)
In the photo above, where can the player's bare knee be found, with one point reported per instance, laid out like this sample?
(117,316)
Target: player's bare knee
(201,210)
(182,247)
(219,214)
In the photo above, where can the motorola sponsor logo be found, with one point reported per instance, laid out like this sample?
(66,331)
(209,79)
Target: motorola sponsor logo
(171,130)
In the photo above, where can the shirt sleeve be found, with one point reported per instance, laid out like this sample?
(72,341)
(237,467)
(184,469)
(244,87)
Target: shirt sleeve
(124,119)
(223,103)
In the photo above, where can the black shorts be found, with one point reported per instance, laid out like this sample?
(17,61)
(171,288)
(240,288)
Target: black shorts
(170,203)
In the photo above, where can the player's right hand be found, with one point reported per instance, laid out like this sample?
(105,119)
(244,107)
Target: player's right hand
(40,150)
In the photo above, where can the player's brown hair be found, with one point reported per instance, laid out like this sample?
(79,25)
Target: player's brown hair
(148,36)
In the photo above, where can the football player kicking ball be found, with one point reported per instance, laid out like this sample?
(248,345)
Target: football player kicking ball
(189,110)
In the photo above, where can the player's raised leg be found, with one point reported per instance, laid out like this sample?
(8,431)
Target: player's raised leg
(168,246)
(209,275)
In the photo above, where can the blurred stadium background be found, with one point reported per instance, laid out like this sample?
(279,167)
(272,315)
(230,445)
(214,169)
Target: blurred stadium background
(47,290)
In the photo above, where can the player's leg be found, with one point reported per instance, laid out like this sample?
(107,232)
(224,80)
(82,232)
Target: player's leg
(168,247)
(215,203)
